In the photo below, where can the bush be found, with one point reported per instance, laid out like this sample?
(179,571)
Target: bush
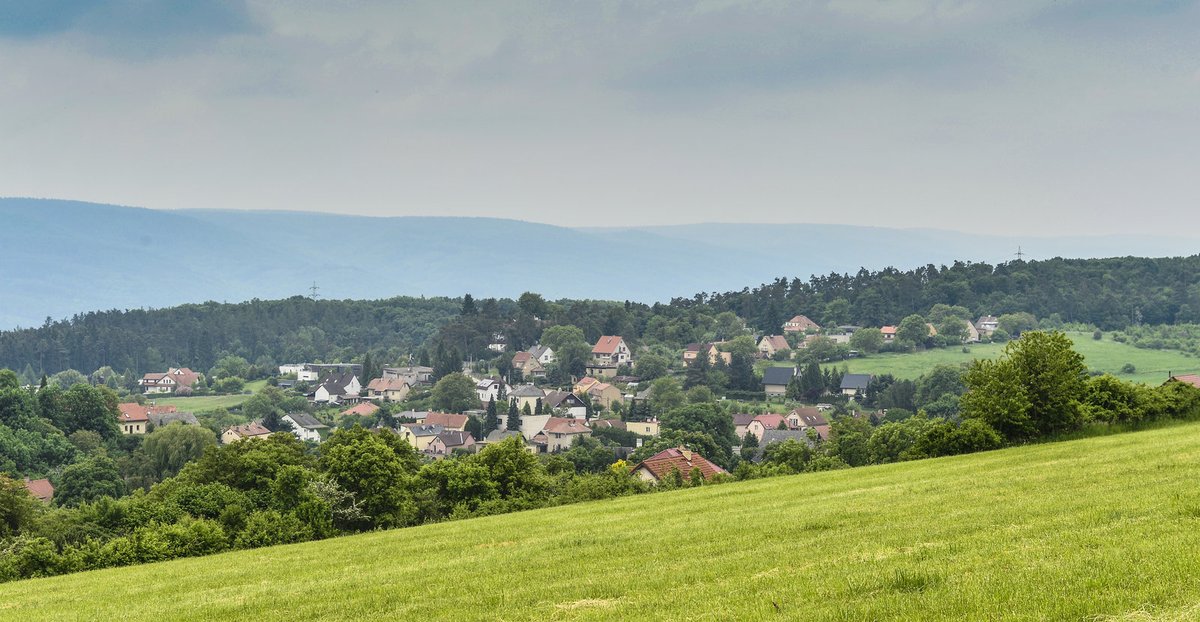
(1128,368)
(1097,335)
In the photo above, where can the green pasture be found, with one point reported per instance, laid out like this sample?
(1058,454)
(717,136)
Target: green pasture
(1105,355)
(211,402)
(1097,529)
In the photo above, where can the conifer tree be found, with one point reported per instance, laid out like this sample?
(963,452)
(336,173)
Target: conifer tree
(514,416)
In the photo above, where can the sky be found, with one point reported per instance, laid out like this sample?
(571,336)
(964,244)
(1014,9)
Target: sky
(1014,117)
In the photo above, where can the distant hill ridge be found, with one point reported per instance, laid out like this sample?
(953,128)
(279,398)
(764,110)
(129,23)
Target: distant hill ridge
(59,258)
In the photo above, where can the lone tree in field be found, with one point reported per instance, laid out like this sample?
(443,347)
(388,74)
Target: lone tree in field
(1034,389)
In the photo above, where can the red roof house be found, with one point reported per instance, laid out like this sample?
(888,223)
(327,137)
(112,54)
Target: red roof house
(660,465)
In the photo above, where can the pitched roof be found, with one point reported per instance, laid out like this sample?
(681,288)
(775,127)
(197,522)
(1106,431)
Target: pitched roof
(336,383)
(423,429)
(608,424)
(447,420)
(248,430)
(520,358)
(387,384)
(810,417)
(802,322)
(887,330)
(856,381)
(555,399)
(661,463)
(778,375)
(1192,379)
(455,438)
(306,421)
(585,383)
(778,342)
(527,390)
(132,413)
(496,436)
(168,417)
(607,344)
(365,409)
(742,419)
(565,425)
(771,421)
(42,489)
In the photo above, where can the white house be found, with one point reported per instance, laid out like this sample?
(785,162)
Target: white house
(489,389)
(305,426)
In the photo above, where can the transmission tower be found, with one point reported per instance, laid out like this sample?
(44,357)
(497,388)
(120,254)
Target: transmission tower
(313,291)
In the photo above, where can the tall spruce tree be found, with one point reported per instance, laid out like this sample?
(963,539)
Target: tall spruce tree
(491,421)
(514,416)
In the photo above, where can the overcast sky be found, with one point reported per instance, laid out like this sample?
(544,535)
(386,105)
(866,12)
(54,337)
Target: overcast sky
(1014,116)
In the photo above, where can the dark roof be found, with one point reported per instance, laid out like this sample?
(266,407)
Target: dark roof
(422,429)
(161,419)
(856,381)
(778,375)
(556,399)
(455,438)
(335,384)
(307,421)
(779,436)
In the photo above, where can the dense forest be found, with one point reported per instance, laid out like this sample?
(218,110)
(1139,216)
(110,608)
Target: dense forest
(1110,294)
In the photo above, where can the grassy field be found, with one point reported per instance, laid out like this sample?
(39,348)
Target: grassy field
(1097,529)
(211,402)
(1104,355)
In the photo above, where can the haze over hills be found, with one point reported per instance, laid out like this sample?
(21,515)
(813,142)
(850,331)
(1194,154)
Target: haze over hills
(58,258)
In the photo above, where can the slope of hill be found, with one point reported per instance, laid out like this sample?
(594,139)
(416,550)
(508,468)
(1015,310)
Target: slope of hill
(1107,356)
(58,258)
(1098,529)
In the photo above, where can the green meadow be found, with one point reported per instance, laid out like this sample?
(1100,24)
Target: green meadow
(1097,529)
(1105,355)
(212,402)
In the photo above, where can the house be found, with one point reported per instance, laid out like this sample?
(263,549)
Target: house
(769,345)
(611,350)
(456,423)
(567,403)
(775,380)
(499,343)
(336,388)
(414,374)
(419,435)
(542,354)
(740,422)
(808,418)
(1192,379)
(528,365)
(648,427)
(972,333)
(173,380)
(305,426)
(531,425)
(987,324)
(585,383)
(527,395)
(694,350)
(659,466)
(779,436)
(562,431)
(41,489)
(762,423)
(445,443)
(853,384)
(889,333)
(291,369)
(800,324)
(365,409)
(133,418)
(312,372)
(161,416)
(489,389)
(604,395)
(607,424)
(239,432)
(600,370)
(388,389)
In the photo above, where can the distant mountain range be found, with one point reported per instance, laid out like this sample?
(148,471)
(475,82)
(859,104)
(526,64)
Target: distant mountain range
(59,258)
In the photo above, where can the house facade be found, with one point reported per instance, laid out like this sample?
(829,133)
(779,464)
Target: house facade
(611,350)
(174,379)
(388,389)
(775,380)
(659,466)
(769,345)
(800,324)
(248,430)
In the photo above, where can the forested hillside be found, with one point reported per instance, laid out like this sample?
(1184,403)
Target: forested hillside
(1108,293)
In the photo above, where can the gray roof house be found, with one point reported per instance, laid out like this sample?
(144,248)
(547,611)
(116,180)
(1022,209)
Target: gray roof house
(161,419)
(776,379)
(853,384)
(305,426)
(779,436)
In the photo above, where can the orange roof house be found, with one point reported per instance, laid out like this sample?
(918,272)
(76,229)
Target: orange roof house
(365,409)
(800,324)
(41,489)
(660,465)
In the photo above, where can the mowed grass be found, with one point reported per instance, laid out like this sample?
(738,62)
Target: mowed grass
(211,402)
(1106,355)
(1097,529)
